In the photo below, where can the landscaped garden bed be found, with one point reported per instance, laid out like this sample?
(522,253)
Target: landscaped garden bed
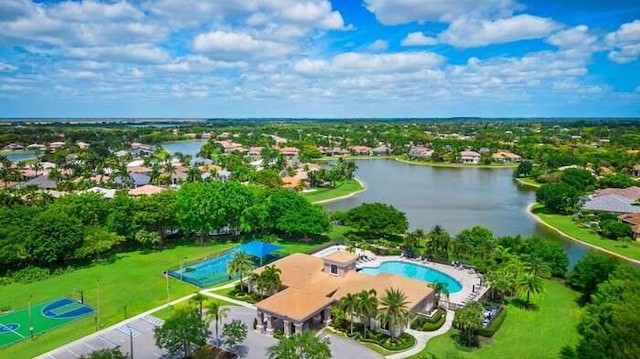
(429,324)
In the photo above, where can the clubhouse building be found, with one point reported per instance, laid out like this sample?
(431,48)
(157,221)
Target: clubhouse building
(314,284)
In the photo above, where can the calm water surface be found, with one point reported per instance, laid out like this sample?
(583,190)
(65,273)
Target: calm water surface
(17,157)
(454,198)
(190,148)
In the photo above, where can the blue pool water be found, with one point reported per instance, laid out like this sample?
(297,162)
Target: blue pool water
(415,271)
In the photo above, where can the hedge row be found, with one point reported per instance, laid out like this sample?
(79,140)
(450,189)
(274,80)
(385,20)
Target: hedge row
(427,324)
(495,324)
(403,342)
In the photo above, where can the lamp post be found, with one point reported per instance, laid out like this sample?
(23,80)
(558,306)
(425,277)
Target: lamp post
(167,276)
(30,319)
(98,301)
(131,343)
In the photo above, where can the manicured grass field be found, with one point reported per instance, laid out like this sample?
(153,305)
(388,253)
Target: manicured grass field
(524,334)
(133,280)
(566,225)
(405,159)
(529,182)
(343,189)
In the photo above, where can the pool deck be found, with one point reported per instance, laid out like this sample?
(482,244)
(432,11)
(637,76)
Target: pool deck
(467,278)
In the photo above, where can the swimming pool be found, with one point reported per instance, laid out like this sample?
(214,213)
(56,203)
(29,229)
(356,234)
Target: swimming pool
(415,271)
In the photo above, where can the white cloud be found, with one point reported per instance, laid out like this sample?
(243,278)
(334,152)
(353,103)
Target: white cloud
(94,11)
(393,12)
(379,45)
(198,63)
(7,67)
(625,43)
(238,45)
(355,63)
(139,53)
(467,32)
(418,39)
(574,37)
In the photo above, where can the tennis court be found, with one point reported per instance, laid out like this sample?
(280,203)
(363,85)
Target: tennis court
(14,326)
(214,270)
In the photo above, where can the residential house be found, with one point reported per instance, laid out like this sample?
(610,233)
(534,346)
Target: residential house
(611,203)
(229,146)
(469,157)
(42,182)
(82,145)
(635,170)
(135,180)
(146,190)
(289,151)
(505,157)
(36,147)
(205,136)
(360,150)
(421,152)
(56,145)
(380,151)
(632,193)
(255,152)
(632,219)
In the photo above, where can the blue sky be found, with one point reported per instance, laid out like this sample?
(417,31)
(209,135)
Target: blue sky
(319,58)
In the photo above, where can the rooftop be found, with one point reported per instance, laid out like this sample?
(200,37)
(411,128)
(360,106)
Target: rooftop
(340,257)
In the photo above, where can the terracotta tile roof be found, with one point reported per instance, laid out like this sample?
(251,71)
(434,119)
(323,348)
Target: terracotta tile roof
(297,269)
(340,257)
(632,193)
(294,303)
(145,190)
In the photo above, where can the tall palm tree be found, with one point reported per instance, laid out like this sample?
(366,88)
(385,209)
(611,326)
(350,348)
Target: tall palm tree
(193,175)
(394,310)
(368,307)
(529,283)
(241,264)
(216,313)
(441,290)
(199,299)
(469,320)
(537,266)
(271,275)
(349,303)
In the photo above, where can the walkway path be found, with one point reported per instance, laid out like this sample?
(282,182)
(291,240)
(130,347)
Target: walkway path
(423,337)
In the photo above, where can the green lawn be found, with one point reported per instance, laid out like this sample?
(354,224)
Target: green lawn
(524,334)
(166,313)
(342,189)
(405,159)
(529,182)
(565,224)
(133,280)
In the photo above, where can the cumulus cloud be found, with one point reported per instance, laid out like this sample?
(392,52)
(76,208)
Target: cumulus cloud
(418,39)
(198,63)
(353,62)
(466,32)
(379,45)
(238,45)
(625,43)
(394,12)
(138,53)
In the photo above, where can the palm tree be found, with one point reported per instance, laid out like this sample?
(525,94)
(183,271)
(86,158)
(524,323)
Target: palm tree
(469,320)
(193,175)
(241,264)
(271,278)
(529,283)
(198,299)
(368,307)
(394,310)
(349,303)
(305,345)
(441,289)
(216,313)
(501,283)
(537,266)
(37,166)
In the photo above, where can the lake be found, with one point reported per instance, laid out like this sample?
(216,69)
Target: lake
(190,148)
(454,198)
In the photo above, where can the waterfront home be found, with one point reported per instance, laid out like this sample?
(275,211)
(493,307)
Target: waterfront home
(611,203)
(505,157)
(56,145)
(229,146)
(205,136)
(13,147)
(135,180)
(380,151)
(312,285)
(632,219)
(632,193)
(360,150)
(421,152)
(289,151)
(36,147)
(469,157)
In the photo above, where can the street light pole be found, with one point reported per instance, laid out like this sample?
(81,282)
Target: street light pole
(167,276)
(30,319)
(98,299)
(131,343)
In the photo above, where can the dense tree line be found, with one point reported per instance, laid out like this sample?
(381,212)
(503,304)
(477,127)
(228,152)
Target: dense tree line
(79,228)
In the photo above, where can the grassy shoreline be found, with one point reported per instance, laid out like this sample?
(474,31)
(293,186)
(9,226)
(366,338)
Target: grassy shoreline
(523,331)
(344,190)
(528,182)
(454,165)
(564,226)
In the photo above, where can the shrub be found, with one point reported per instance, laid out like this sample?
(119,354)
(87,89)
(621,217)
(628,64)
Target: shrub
(427,324)
(613,229)
(495,324)
(278,334)
(30,274)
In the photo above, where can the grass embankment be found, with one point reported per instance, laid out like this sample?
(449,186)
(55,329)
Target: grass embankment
(566,225)
(133,280)
(406,159)
(528,181)
(343,189)
(539,333)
